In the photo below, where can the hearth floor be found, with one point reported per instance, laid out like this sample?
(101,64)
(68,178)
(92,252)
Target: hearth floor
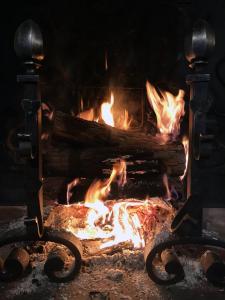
(102,281)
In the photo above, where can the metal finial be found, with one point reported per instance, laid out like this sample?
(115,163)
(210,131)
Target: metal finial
(200,43)
(28,42)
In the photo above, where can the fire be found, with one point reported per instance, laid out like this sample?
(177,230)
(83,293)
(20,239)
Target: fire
(168,109)
(123,121)
(166,184)
(87,114)
(185,143)
(70,186)
(106,112)
(115,223)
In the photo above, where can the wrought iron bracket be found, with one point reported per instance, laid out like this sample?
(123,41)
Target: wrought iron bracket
(67,239)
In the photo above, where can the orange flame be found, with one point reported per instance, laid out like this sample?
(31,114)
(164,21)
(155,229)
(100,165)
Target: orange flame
(87,114)
(124,225)
(125,121)
(168,109)
(185,143)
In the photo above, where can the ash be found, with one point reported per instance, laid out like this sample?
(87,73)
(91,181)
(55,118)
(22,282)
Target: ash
(113,276)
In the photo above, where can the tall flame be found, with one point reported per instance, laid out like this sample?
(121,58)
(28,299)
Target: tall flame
(168,109)
(126,121)
(106,111)
(185,143)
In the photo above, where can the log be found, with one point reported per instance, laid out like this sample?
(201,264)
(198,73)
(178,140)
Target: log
(55,188)
(95,162)
(90,134)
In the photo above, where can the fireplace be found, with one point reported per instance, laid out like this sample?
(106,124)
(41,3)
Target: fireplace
(121,179)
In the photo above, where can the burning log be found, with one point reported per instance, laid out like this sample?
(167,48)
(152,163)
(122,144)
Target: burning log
(213,267)
(57,188)
(103,142)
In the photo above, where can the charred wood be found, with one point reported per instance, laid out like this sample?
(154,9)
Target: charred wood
(55,188)
(79,132)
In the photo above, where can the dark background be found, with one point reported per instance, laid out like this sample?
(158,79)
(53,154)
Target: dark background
(143,40)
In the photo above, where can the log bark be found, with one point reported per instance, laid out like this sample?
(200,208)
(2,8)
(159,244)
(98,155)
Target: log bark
(101,142)
(96,162)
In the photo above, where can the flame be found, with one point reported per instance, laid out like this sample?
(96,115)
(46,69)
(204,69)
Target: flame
(185,143)
(168,109)
(123,121)
(108,116)
(70,186)
(121,224)
(166,184)
(87,115)
(106,112)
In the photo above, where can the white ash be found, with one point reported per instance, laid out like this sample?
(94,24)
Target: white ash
(193,273)
(29,284)
(14,224)
(128,259)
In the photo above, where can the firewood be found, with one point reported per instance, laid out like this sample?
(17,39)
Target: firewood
(66,161)
(90,134)
(55,188)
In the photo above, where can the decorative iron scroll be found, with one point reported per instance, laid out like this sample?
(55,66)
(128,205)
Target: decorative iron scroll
(64,238)
(152,252)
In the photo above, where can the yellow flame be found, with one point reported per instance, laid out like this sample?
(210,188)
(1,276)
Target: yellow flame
(168,109)
(106,112)
(121,224)
(185,143)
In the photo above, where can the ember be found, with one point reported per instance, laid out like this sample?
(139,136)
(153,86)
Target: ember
(115,222)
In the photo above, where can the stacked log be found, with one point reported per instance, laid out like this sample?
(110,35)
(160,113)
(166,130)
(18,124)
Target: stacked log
(87,149)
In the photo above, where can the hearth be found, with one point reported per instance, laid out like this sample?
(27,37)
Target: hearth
(121,176)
